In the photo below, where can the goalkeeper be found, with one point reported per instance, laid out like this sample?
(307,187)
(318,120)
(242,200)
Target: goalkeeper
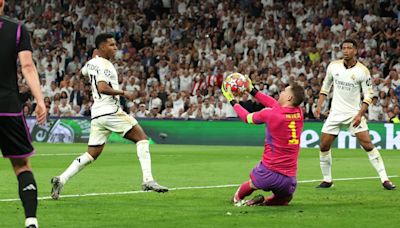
(284,123)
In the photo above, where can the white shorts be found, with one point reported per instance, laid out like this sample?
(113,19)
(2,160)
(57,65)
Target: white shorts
(335,123)
(101,127)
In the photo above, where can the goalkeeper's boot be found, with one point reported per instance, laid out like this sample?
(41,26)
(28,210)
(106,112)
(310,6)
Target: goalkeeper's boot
(152,185)
(257,200)
(325,184)
(56,189)
(388,185)
(237,202)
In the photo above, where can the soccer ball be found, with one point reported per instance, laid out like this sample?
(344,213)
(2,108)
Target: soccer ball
(237,82)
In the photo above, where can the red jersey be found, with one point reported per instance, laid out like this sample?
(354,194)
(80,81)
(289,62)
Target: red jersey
(282,134)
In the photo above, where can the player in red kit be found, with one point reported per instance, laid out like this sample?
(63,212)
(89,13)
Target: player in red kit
(278,167)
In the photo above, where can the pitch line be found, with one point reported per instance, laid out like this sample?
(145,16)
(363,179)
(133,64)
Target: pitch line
(181,188)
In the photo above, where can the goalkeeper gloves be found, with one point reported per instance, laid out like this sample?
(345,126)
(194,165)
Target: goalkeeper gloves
(250,88)
(228,95)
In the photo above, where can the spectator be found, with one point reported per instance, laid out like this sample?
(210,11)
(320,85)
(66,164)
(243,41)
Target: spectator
(375,110)
(142,112)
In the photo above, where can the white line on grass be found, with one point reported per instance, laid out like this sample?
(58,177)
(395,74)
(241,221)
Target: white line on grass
(181,188)
(66,154)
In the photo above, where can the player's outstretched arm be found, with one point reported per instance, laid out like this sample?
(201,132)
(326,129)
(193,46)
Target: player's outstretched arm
(264,99)
(259,117)
(245,116)
(104,88)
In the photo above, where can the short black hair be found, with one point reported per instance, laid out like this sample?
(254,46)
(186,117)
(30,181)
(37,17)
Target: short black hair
(298,93)
(103,37)
(352,41)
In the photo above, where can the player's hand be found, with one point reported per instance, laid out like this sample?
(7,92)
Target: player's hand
(250,83)
(357,120)
(317,113)
(41,113)
(128,95)
(227,93)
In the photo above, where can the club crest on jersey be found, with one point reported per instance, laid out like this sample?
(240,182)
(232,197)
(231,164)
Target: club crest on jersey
(353,77)
(336,75)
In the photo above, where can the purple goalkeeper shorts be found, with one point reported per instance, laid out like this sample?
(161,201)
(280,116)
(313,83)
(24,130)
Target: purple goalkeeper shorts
(269,180)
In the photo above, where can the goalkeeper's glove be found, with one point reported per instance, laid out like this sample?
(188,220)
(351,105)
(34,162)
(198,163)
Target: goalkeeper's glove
(250,88)
(228,94)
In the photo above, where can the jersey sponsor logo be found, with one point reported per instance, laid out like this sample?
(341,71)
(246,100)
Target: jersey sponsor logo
(30,187)
(347,86)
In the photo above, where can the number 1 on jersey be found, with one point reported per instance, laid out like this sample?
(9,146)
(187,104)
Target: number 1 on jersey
(294,140)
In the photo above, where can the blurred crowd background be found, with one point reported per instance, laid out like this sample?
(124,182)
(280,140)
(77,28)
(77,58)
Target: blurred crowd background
(174,54)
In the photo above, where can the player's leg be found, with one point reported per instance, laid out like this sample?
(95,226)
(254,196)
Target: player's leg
(97,139)
(325,159)
(260,178)
(245,189)
(375,158)
(282,187)
(76,166)
(16,144)
(27,189)
(276,200)
(137,135)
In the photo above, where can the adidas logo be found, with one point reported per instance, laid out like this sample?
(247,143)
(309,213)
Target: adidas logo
(29,187)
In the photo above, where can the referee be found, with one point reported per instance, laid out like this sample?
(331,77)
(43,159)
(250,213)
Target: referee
(15,141)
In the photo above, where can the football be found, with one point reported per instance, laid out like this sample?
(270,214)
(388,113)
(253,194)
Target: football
(237,83)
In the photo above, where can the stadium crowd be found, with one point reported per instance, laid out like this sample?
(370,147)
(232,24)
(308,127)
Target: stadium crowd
(174,54)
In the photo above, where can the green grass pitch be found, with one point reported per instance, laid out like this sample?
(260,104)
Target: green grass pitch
(216,170)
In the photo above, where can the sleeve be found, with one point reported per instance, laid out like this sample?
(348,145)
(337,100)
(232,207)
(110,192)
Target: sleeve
(24,39)
(265,100)
(259,117)
(84,71)
(104,73)
(96,70)
(366,87)
(328,81)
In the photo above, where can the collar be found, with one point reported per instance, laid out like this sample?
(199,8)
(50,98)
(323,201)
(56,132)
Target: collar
(348,67)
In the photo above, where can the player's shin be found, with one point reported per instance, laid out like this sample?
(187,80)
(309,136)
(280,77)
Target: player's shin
(377,162)
(143,153)
(244,190)
(77,165)
(28,193)
(325,162)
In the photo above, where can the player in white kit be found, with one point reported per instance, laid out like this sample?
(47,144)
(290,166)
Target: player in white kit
(107,117)
(348,77)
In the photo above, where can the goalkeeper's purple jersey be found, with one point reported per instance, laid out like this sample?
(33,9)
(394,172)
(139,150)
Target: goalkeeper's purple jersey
(282,133)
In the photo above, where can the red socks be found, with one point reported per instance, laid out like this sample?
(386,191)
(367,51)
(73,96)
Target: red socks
(243,191)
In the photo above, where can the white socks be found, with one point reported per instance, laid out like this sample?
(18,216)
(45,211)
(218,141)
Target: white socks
(325,162)
(31,221)
(377,162)
(77,165)
(143,154)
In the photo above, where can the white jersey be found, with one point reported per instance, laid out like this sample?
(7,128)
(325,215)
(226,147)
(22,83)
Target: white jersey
(347,87)
(100,69)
